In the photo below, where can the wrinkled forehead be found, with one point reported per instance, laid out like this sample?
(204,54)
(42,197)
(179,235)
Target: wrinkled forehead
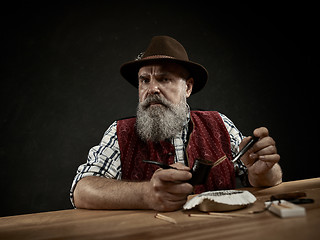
(164,68)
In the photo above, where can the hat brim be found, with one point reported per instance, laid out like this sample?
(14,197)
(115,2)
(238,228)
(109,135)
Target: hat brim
(130,71)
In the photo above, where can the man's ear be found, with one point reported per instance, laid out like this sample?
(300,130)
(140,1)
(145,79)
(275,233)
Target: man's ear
(189,84)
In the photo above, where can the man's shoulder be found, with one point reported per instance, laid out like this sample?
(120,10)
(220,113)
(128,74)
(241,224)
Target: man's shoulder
(210,117)
(124,124)
(126,120)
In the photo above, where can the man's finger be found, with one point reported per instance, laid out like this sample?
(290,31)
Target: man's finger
(180,188)
(180,166)
(273,158)
(172,175)
(262,144)
(270,149)
(261,132)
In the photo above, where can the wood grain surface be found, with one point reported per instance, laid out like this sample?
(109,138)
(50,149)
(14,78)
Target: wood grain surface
(142,224)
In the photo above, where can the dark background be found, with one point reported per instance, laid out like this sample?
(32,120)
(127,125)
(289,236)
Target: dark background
(61,87)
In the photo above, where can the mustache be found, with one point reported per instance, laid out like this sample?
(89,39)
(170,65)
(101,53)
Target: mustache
(152,99)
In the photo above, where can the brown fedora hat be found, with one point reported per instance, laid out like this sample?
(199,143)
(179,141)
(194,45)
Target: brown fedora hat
(164,48)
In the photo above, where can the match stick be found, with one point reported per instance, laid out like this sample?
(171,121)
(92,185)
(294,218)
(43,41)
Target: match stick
(208,216)
(230,214)
(165,218)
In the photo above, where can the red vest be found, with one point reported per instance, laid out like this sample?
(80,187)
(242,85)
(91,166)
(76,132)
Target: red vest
(209,140)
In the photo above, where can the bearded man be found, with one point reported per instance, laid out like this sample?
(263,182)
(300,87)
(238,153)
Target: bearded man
(166,131)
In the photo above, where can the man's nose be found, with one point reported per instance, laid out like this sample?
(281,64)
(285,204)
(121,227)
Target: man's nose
(154,87)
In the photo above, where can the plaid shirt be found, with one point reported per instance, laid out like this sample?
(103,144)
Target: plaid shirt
(104,159)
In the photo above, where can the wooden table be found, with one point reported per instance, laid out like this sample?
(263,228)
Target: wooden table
(141,224)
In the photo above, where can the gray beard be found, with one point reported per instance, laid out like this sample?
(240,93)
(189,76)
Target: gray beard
(160,122)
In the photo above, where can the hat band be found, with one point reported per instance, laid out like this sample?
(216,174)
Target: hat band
(158,56)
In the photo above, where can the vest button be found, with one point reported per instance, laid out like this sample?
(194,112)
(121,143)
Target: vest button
(170,154)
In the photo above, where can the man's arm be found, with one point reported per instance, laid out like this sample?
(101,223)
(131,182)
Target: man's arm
(262,160)
(166,191)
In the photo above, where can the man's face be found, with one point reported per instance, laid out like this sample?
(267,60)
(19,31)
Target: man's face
(162,109)
(168,80)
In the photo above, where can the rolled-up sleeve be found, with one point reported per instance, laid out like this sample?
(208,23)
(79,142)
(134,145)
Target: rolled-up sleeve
(103,160)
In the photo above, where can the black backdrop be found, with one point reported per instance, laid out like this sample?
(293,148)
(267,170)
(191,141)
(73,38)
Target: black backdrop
(61,87)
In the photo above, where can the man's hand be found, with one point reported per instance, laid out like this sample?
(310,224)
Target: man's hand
(261,160)
(168,189)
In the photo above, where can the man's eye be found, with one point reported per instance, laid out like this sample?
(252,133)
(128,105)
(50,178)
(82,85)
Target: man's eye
(165,79)
(144,80)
